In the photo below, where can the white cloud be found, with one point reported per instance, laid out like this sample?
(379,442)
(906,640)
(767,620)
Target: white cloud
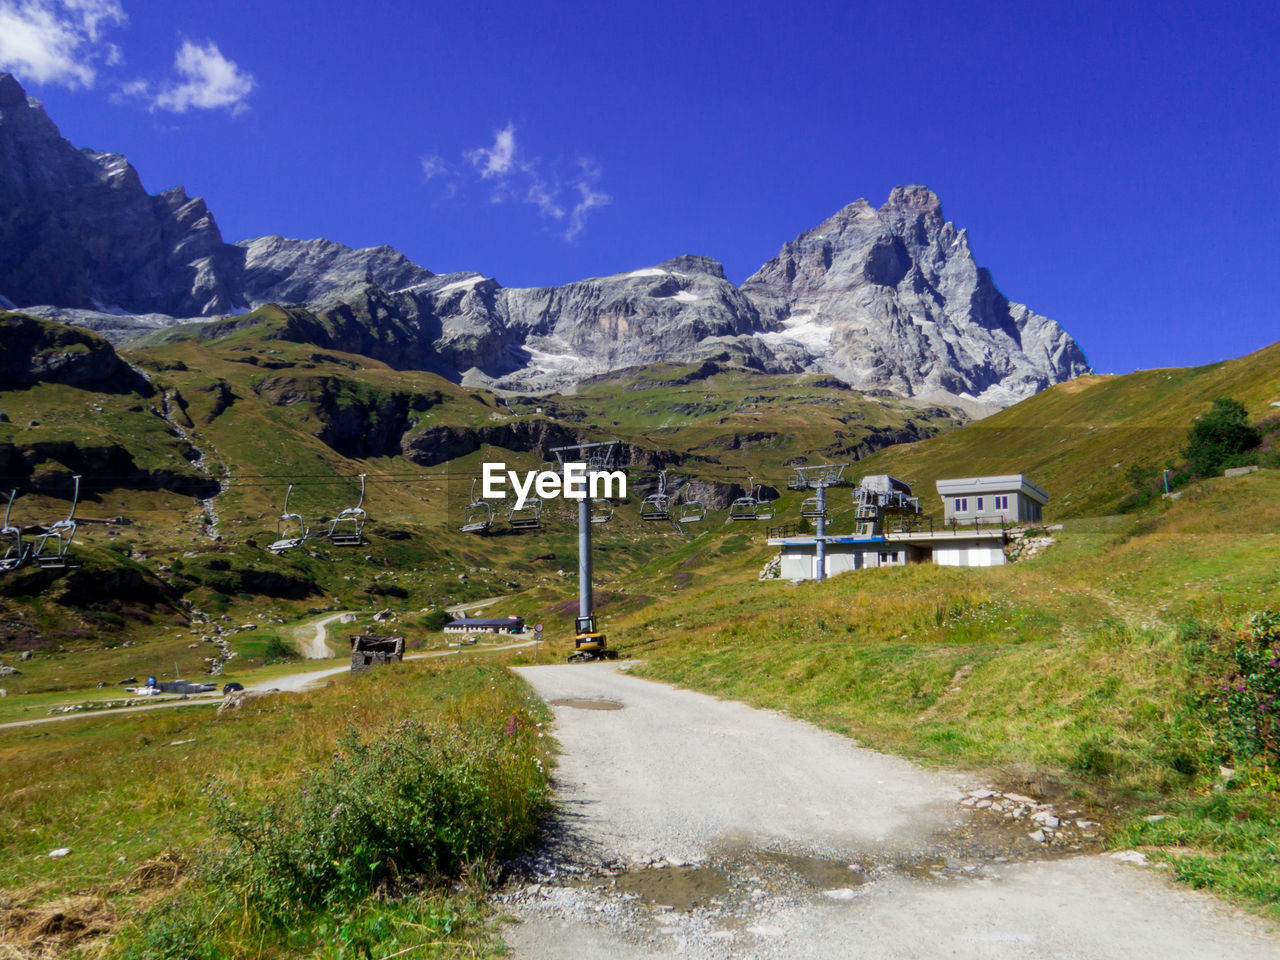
(58,41)
(542,197)
(433,166)
(514,178)
(206,81)
(589,198)
(495,162)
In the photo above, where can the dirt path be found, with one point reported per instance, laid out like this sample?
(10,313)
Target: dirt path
(461,609)
(698,828)
(313,639)
(288,683)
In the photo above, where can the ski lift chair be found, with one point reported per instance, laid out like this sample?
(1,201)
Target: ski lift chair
(528,517)
(479,515)
(692,511)
(347,528)
(291,531)
(746,507)
(601,510)
(15,551)
(63,532)
(813,508)
(657,506)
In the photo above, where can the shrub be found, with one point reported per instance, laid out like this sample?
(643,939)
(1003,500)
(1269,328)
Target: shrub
(1248,698)
(436,620)
(363,857)
(277,651)
(410,804)
(1220,437)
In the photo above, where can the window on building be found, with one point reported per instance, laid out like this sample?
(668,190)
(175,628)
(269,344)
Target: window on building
(1002,503)
(979,504)
(961,504)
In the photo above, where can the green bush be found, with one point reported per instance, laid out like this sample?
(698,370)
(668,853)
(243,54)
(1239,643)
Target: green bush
(411,802)
(1248,697)
(350,859)
(436,620)
(1220,437)
(277,651)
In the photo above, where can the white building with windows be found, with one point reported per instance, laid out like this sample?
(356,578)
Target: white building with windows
(1009,499)
(977,512)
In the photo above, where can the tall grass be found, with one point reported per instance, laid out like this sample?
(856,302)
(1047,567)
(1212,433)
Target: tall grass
(1090,665)
(347,816)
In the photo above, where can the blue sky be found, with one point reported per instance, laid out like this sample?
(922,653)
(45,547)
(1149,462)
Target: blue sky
(1116,165)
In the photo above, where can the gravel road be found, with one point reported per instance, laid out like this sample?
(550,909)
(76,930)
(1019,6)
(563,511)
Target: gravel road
(699,828)
(313,637)
(285,683)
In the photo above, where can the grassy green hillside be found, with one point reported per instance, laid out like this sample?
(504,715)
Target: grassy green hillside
(1093,671)
(1088,671)
(1078,439)
(248,413)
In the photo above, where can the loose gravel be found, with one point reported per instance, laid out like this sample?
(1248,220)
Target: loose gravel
(698,828)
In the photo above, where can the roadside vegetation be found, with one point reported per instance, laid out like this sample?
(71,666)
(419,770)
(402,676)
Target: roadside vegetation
(1093,669)
(360,820)
(1133,666)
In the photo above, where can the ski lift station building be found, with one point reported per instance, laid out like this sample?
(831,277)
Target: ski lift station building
(483,625)
(1008,499)
(971,534)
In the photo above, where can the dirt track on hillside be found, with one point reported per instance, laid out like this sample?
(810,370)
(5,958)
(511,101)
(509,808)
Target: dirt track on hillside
(699,828)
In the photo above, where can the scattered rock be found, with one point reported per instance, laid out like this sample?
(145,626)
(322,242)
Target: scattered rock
(1130,856)
(840,893)
(60,852)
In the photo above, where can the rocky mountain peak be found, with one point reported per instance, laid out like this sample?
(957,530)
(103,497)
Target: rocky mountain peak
(11,92)
(693,263)
(913,197)
(892,298)
(887,298)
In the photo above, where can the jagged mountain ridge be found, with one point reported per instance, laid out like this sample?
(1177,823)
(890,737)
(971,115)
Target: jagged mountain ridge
(886,299)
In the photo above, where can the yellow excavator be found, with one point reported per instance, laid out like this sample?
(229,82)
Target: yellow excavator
(588,642)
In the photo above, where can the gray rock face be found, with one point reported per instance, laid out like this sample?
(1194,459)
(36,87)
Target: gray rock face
(78,230)
(887,299)
(279,270)
(37,351)
(892,299)
(559,335)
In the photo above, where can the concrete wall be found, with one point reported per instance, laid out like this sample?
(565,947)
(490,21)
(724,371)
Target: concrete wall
(799,562)
(969,554)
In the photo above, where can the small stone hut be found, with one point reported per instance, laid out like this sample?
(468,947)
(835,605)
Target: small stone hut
(370,650)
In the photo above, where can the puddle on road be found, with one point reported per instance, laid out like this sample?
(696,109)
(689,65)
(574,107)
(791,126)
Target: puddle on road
(681,888)
(577,704)
(816,872)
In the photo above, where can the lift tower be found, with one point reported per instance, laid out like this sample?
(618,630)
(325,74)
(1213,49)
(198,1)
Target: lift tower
(818,478)
(588,642)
